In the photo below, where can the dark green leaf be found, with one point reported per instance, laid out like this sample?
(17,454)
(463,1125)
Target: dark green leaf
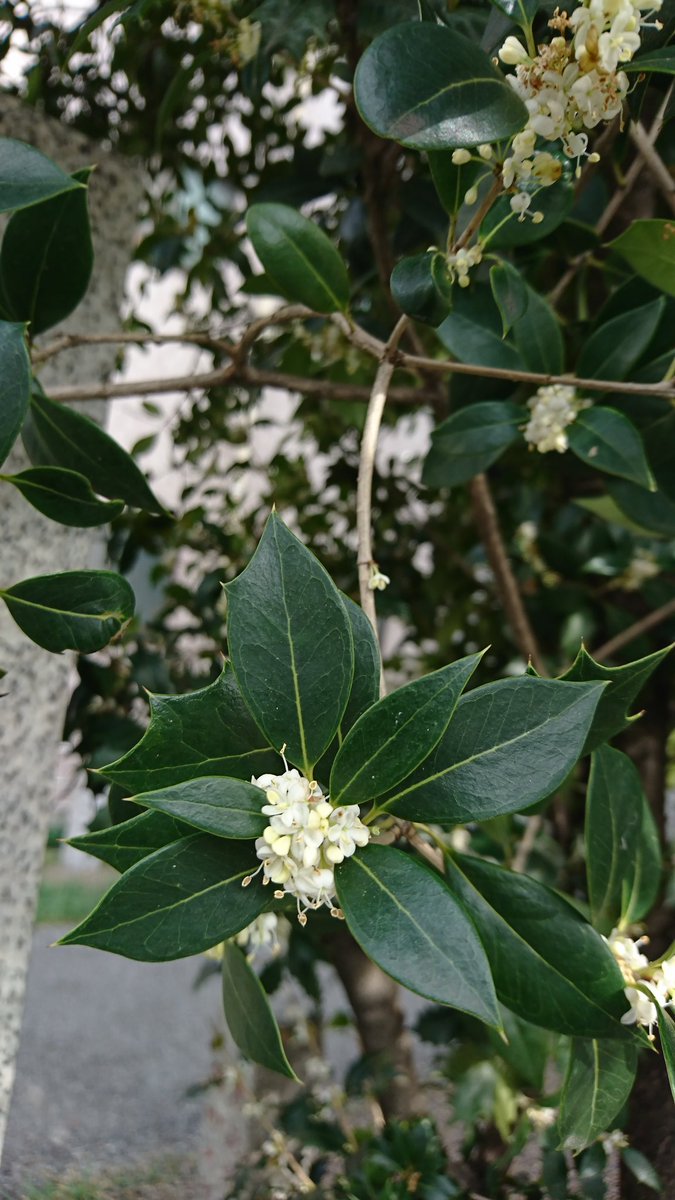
(667,1036)
(510,293)
(537,336)
(64,496)
(600,1076)
(510,744)
(15,377)
(502,230)
(470,441)
(611,715)
(27,176)
(650,510)
(414,289)
(522,12)
(47,257)
(365,688)
(393,737)
(548,964)
(298,257)
(608,441)
(613,821)
(452,181)
(407,921)
(472,331)
(75,610)
(646,874)
(613,349)
(207,732)
(662,60)
(649,247)
(431,88)
(57,436)
(229,808)
(125,844)
(659,440)
(641,1168)
(181,900)
(290,641)
(249,1016)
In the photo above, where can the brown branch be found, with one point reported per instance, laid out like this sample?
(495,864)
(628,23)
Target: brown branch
(477,219)
(608,649)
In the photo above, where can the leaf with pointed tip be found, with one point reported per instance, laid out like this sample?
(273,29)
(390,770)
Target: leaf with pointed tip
(249,1016)
(611,715)
(15,377)
(649,246)
(667,1036)
(27,176)
(613,349)
(393,737)
(207,732)
(409,923)
(600,1076)
(537,334)
(229,808)
(74,610)
(470,440)
(365,689)
(510,744)
(641,1168)
(64,496)
(644,882)
(181,900)
(549,965)
(431,88)
(298,257)
(414,288)
(662,59)
(608,441)
(291,645)
(510,293)
(613,822)
(653,511)
(125,844)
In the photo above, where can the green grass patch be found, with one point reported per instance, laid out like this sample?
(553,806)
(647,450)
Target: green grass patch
(63,900)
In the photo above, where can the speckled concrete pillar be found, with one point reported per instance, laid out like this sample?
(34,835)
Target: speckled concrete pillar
(36,683)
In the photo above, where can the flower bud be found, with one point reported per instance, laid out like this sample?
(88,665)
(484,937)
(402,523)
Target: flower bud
(460,157)
(513,53)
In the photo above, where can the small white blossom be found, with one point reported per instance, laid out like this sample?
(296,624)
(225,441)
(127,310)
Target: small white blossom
(378,581)
(460,157)
(461,262)
(513,52)
(552,409)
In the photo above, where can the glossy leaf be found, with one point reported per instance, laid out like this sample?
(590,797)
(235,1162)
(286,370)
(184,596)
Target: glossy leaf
(431,88)
(641,1168)
(667,1038)
(510,744)
(625,683)
(181,900)
(651,510)
(125,844)
(613,349)
(57,436)
(28,177)
(613,820)
(502,230)
(451,180)
(644,881)
(64,496)
(470,441)
(396,734)
(249,1016)
(229,808)
(600,1076)
(566,980)
(537,336)
(291,645)
(659,439)
(510,293)
(661,60)
(207,732)
(408,922)
(299,257)
(414,289)
(46,258)
(365,689)
(472,331)
(608,441)
(649,247)
(15,382)
(522,12)
(74,610)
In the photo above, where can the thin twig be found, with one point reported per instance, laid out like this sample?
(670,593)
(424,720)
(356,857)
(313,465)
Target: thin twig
(608,649)
(526,844)
(477,219)
(364,488)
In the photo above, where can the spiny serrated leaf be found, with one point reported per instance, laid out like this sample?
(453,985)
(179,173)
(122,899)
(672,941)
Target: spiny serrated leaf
(611,715)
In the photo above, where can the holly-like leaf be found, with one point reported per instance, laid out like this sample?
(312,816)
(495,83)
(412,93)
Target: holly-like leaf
(64,496)
(207,732)
(608,441)
(613,823)
(46,258)
(470,440)
(600,1076)
(74,610)
(549,965)
(15,377)
(510,744)
(613,349)
(299,258)
(181,900)
(28,177)
(649,245)
(57,436)
(229,808)
(611,714)
(249,1016)
(394,736)
(125,844)
(431,88)
(408,922)
(291,645)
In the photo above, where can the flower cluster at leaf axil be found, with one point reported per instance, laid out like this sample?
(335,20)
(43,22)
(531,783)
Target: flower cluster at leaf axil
(305,840)
(552,409)
(657,977)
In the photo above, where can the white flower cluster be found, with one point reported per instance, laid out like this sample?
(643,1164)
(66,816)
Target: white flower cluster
(305,839)
(640,568)
(460,263)
(571,84)
(553,408)
(636,969)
